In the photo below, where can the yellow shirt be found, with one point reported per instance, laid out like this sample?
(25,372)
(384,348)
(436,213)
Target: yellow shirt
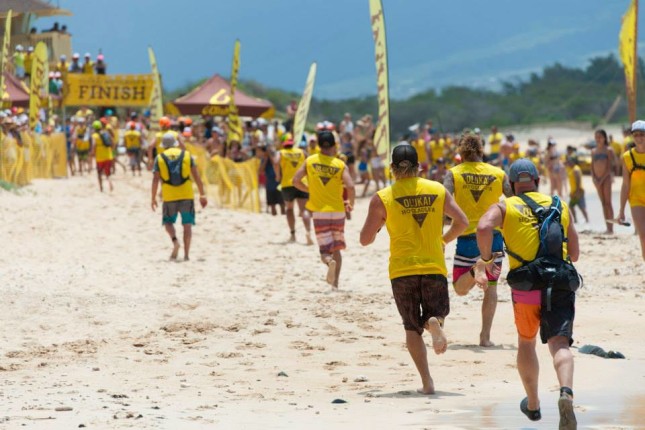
(132,139)
(637,183)
(29,60)
(171,193)
(290,161)
(617,147)
(437,147)
(103,153)
(420,146)
(571,174)
(494,142)
(82,144)
(325,177)
(414,222)
(519,228)
(88,68)
(478,185)
(159,136)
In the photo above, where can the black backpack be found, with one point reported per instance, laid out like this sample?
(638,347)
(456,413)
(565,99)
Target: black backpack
(549,269)
(106,138)
(175,177)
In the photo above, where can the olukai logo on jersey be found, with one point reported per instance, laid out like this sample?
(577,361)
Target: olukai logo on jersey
(477,184)
(292,157)
(325,172)
(417,206)
(526,215)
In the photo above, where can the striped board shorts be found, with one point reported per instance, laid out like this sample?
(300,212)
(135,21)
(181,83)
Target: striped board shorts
(330,231)
(468,253)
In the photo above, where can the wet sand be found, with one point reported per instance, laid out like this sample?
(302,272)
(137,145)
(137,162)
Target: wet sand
(95,319)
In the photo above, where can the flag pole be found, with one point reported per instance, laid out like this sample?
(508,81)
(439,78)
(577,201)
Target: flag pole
(634,113)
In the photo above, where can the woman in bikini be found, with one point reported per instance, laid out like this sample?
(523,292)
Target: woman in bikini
(602,167)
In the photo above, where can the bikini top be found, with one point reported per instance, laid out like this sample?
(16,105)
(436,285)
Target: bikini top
(602,156)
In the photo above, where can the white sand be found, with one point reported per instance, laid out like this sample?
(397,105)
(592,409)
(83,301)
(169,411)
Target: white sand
(95,318)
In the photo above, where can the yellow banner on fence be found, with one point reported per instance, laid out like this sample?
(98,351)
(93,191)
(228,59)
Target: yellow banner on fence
(33,156)
(108,90)
(156,102)
(382,135)
(627,48)
(4,57)
(234,124)
(303,107)
(39,88)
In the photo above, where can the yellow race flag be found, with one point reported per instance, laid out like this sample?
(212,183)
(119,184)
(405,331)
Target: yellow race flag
(303,107)
(628,54)
(4,59)
(39,89)
(156,101)
(234,123)
(382,135)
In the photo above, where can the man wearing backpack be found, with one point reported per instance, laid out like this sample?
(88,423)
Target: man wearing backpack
(633,188)
(102,151)
(551,308)
(174,167)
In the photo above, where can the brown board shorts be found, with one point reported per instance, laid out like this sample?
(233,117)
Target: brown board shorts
(420,297)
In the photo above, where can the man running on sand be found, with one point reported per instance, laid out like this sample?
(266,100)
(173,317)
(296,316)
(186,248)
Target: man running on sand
(174,167)
(551,310)
(413,210)
(326,176)
(476,185)
(102,152)
(286,163)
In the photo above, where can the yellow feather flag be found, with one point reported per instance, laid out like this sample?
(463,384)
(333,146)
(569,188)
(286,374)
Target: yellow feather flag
(303,107)
(39,89)
(382,135)
(234,123)
(4,59)
(628,54)
(156,100)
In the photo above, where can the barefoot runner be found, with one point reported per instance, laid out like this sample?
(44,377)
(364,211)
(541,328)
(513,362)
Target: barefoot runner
(103,153)
(326,176)
(286,163)
(174,168)
(476,185)
(633,188)
(413,210)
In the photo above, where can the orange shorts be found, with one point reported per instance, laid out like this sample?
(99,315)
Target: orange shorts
(527,319)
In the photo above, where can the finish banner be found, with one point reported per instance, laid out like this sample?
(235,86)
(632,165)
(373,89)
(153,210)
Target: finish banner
(156,102)
(234,123)
(382,135)
(303,107)
(627,48)
(108,90)
(4,58)
(39,89)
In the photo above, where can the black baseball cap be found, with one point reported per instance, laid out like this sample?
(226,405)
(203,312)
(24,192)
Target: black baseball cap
(326,139)
(404,152)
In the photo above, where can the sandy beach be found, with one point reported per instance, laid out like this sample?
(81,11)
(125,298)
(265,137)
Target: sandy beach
(100,331)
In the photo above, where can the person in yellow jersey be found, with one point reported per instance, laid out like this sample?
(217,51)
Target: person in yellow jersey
(476,185)
(326,177)
(82,144)
(174,168)
(495,143)
(103,153)
(155,147)
(437,146)
(577,193)
(133,143)
(88,65)
(423,151)
(550,310)
(286,163)
(412,210)
(633,187)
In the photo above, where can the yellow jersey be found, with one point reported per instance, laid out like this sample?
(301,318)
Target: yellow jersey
(290,161)
(88,67)
(437,147)
(478,185)
(637,183)
(82,143)
(494,142)
(571,174)
(171,193)
(159,136)
(520,227)
(420,146)
(132,139)
(102,152)
(325,178)
(414,221)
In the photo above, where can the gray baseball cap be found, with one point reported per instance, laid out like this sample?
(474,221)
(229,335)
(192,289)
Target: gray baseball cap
(523,170)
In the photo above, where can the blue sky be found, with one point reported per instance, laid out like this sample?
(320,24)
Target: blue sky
(431,43)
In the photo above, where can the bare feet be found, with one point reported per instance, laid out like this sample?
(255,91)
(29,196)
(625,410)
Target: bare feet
(331,273)
(486,343)
(426,389)
(186,258)
(439,340)
(309,241)
(175,249)
(292,238)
